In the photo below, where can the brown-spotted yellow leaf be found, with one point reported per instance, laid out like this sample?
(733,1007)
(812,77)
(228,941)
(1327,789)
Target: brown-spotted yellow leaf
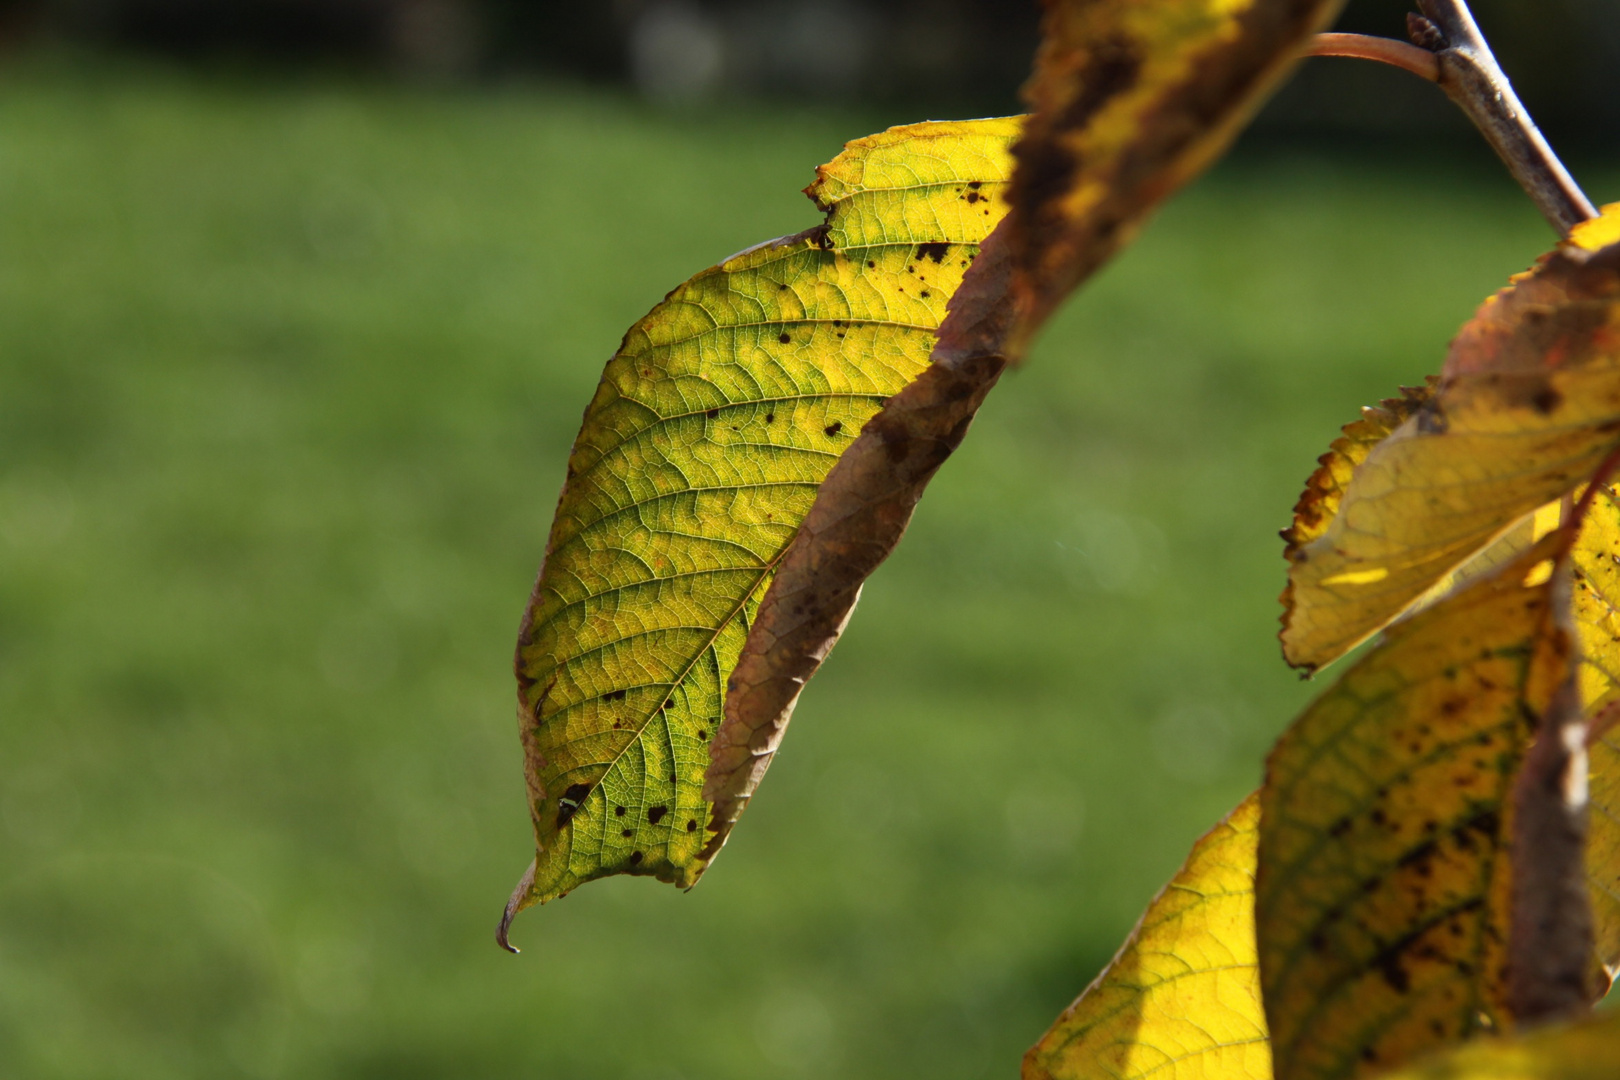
(700,453)
(1595,605)
(1526,408)
(1588,1050)
(1181,1001)
(1133,98)
(1384,891)
(1595,612)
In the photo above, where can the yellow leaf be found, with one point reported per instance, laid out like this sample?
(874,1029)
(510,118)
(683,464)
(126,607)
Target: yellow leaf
(1181,1001)
(1384,890)
(1132,99)
(701,452)
(1526,409)
(1589,1050)
(1596,608)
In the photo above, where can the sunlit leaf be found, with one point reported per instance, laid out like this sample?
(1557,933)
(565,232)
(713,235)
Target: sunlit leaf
(699,456)
(1589,1050)
(1182,999)
(1384,892)
(1527,407)
(1133,98)
(1525,410)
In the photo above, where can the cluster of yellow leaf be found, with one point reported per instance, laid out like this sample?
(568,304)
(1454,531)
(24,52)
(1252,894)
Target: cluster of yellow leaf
(1386,855)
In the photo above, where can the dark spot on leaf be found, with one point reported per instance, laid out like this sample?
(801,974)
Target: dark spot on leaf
(925,294)
(691,826)
(783,338)
(702,734)
(636,857)
(712,413)
(628,833)
(1339,828)
(975,184)
(668,703)
(656,814)
(1389,966)
(1545,400)
(569,803)
(613,695)
(933,251)
(770,417)
(871,264)
(834,428)
(618,811)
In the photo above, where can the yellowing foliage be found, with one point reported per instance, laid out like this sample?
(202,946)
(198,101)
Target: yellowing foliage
(1595,604)
(1526,409)
(1181,1001)
(699,455)
(1383,893)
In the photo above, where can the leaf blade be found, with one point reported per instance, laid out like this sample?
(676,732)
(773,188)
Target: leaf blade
(712,428)
(1384,893)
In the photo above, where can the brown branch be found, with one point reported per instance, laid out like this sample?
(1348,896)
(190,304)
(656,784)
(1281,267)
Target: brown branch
(1471,77)
(1448,49)
(1420,62)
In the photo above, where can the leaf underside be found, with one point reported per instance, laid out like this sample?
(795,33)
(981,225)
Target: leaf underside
(699,455)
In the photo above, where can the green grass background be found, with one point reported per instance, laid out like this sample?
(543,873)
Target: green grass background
(288,371)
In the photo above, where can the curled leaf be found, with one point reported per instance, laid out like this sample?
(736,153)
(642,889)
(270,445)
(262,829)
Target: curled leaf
(699,456)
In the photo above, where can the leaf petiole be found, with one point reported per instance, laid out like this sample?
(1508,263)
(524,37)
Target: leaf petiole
(1450,50)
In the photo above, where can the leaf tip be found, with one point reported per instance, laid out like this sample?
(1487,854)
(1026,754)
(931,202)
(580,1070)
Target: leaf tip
(519,901)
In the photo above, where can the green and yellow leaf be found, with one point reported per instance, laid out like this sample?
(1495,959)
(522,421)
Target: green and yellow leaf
(1589,1050)
(1133,98)
(700,453)
(1527,407)
(1181,1001)
(1384,888)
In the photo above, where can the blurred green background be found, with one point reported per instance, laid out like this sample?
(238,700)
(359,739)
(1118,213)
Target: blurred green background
(288,371)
